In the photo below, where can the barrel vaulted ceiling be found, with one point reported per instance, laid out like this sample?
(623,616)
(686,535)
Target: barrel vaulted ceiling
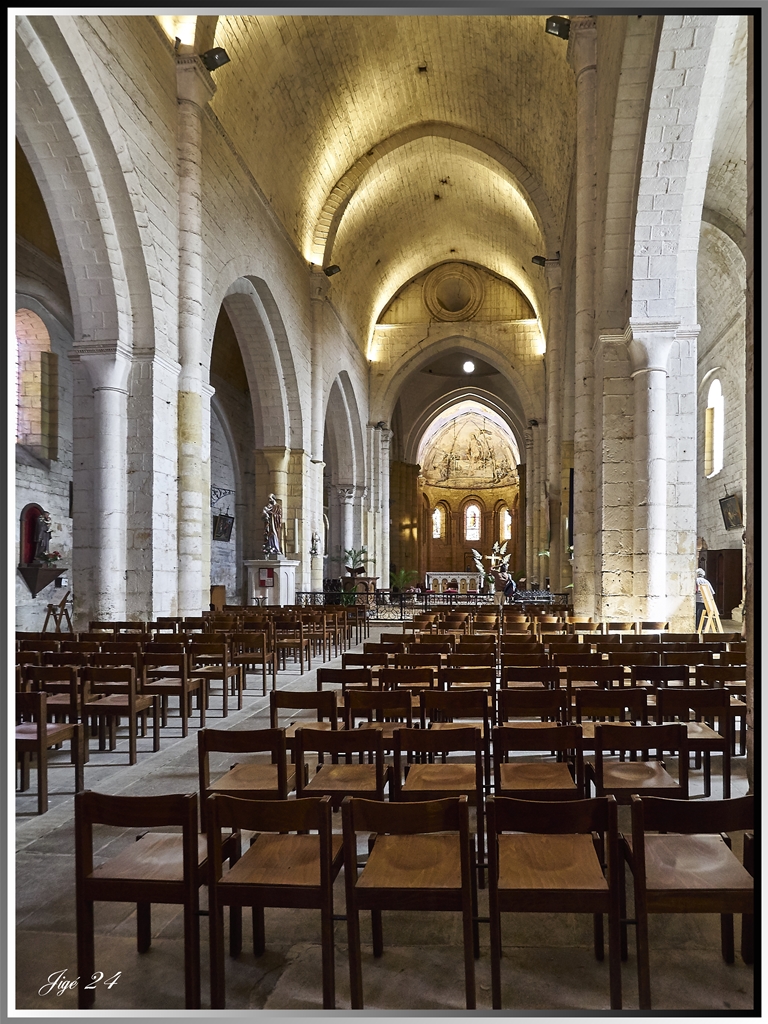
(351,142)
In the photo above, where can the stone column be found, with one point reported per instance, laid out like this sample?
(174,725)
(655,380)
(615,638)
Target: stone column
(648,345)
(530,491)
(108,372)
(347,502)
(582,55)
(194,89)
(383,567)
(319,286)
(554,364)
(542,510)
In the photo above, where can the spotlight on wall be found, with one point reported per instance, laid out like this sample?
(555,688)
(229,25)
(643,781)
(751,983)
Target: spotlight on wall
(215,58)
(557,26)
(330,271)
(468,367)
(539,260)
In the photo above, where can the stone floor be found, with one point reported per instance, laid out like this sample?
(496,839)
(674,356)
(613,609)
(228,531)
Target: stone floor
(548,967)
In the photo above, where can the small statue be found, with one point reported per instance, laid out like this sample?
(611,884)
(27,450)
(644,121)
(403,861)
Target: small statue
(42,536)
(314,549)
(273,527)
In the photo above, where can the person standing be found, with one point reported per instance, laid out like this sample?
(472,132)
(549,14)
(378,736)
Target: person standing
(701,581)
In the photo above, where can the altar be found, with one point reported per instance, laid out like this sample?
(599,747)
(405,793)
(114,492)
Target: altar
(455,582)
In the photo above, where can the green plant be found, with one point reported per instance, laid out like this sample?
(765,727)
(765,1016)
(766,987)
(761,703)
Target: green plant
(401,579)
(356,557)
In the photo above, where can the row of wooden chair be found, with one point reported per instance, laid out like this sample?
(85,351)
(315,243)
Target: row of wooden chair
(561,857)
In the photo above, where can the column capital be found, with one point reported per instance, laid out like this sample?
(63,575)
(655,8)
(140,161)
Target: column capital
(193,80)
(108,369)
(554,274)
(319,284)
(582,44)
(346,494)
(649,342)
(276,458)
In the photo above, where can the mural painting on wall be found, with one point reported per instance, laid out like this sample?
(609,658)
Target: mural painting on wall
(468,452)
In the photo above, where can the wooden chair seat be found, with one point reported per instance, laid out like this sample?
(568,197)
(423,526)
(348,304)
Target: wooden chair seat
(554,780)
(588,730)
(638,777)
(304,723)
(354,779)
(545,870)
(413,862)
(681,865)
(156,856)
(433,781)
(117,702)
(282,860)
(255,780)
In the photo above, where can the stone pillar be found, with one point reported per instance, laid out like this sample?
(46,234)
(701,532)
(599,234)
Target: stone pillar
(108,372)
(542,509)
(582,55)
(530,491)
(194,89)
(383,567)
(347,502)
(649,345)
(554,365)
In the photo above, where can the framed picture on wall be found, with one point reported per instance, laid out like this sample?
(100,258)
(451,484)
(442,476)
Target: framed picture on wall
(222,527)
(731,509)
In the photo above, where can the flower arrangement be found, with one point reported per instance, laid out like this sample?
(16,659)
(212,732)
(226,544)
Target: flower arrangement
(50,557)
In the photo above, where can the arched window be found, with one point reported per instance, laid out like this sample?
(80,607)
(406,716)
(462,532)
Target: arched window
(438,519)
(37,387)
(472,522)
(505,525)
(714,430)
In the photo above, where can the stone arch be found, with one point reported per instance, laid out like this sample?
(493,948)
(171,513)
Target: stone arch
(384,400)
(91,189)
(227,562)
(267,359)
(340,432)
(677,149)
(444,402)
(337,201)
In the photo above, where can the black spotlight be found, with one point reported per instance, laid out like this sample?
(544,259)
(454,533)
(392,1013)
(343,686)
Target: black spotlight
(215,58)
(557,26)
(540,261)
(330,271)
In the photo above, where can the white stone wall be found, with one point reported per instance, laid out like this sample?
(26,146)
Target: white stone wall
(45,483)
(722,357)
(224,554)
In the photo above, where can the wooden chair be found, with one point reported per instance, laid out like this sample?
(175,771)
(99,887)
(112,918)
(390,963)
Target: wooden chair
(115,695)
(420,858)
(696,708)
(166,675)
(417,776)
(602,677)
(337,779)
(541,779)
(210,660)
(628,705)
(457,708)
(35,735)
(648,776)
(323,703)
(544,706)
(472,678)
(253,651)
(385,710)
(434,661)
(159,867)
(513,677)
(658,675)
(577,659)
(290,635)
(688,868)
(561,858)
(254,780)
(346,678)
(285,866)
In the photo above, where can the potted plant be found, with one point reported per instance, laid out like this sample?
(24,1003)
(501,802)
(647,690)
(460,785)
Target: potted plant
(401,579)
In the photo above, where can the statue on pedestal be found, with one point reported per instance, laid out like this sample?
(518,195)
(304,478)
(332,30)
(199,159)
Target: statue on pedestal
(273,527)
